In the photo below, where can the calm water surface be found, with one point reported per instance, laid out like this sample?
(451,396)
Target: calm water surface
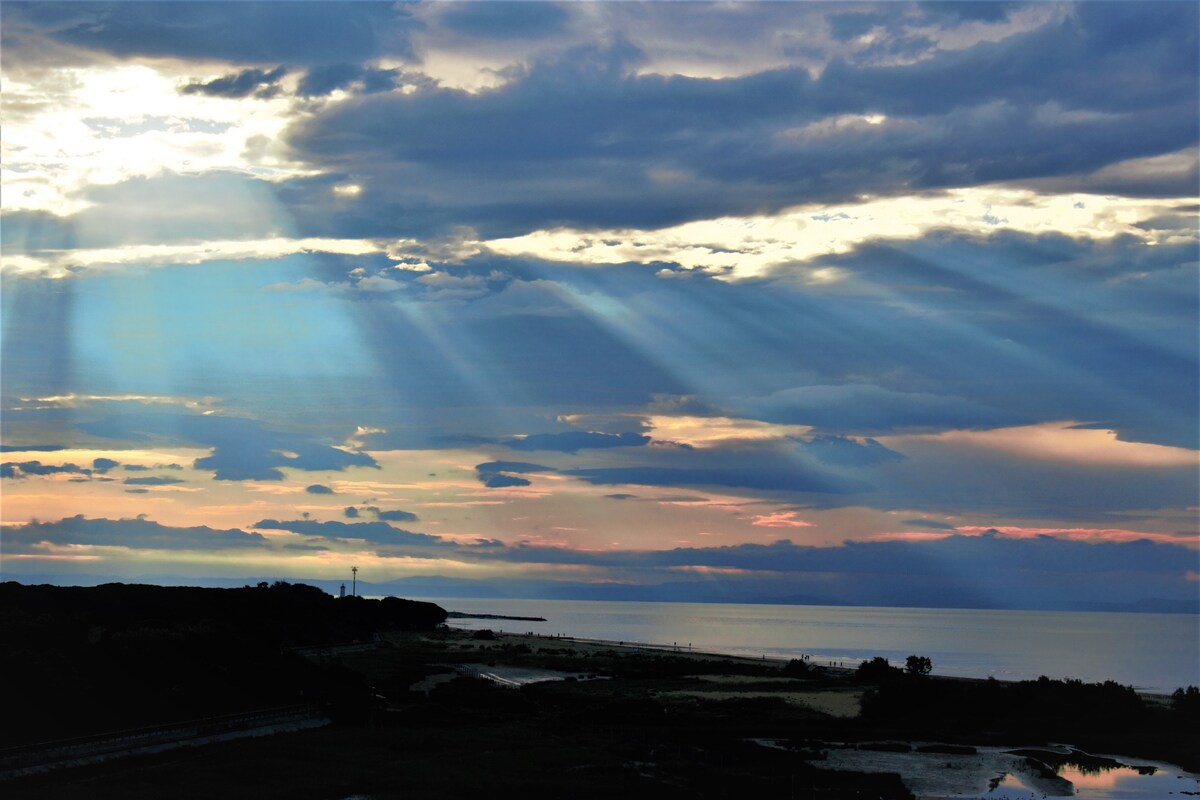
(1152,652)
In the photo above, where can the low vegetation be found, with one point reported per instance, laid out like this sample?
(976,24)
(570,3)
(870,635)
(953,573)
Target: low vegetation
(408,724)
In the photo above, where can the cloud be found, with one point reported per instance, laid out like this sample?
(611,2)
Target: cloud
(376,532)
(325,79)
(136,534)
(793,480)
(780,519)
(318,488)
(494,474)
(386,516)
(930,523)
(867,408)
(1067,442)
(502,481)
(842,451)
(574,441)
(102,465)
(941,121)
(256,82)
(964,556)
(291,32)
(152,480)
(504,20)
(243,449)
(22,469)
(396,516)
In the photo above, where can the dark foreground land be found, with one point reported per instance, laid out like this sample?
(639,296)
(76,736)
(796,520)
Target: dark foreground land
(394,707)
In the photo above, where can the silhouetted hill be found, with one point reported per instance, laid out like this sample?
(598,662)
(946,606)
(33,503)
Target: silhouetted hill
(85,659)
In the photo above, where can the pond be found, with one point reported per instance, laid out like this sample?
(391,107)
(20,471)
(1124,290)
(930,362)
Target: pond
(992,773)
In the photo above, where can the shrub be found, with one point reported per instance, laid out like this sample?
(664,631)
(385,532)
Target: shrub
(1186,701)
(918,665)
(877,669)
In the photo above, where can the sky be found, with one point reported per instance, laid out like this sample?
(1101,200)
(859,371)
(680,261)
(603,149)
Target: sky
(879,303)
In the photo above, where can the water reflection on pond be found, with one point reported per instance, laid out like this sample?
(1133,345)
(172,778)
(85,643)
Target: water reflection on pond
(992,773)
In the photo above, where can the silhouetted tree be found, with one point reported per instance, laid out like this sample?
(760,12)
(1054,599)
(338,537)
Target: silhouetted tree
(1186,701)
(877,669)
(918,665)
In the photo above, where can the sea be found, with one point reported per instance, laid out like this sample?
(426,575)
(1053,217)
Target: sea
(1154,653)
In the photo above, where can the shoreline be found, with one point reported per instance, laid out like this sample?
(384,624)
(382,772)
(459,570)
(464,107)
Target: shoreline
(688,651)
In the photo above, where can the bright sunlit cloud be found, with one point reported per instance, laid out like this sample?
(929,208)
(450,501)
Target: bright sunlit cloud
(108,123)
(748,246)
(711,431)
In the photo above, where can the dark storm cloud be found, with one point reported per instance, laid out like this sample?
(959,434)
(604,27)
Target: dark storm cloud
(376,532)
(243,448)
(138,534)
(583,141)
(574,441)
(257,82)
(267,32)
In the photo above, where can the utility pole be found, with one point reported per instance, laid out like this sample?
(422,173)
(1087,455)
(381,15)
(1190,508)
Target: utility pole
(354,581)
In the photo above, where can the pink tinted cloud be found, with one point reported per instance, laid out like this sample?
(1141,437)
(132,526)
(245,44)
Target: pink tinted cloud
(910,536)
(780,519)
